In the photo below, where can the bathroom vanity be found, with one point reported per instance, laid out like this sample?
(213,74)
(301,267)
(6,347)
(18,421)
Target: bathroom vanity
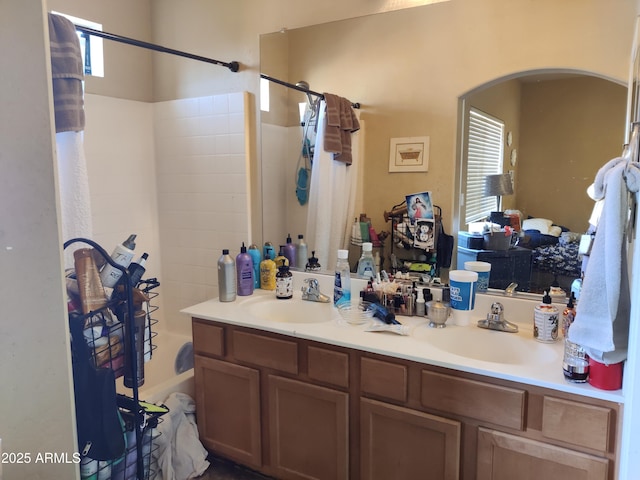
(315,398)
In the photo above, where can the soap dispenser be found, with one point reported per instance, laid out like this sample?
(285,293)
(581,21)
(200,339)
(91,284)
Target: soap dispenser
(313,265)
(545,320)
(284,282)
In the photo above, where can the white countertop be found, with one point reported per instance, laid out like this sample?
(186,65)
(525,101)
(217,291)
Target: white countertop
(530,362)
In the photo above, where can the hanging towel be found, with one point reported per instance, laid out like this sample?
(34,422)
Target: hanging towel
(67,74)
(341,122)
(601,325)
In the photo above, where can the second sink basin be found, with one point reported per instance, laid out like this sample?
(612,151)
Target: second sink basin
(294,310)
(488,345)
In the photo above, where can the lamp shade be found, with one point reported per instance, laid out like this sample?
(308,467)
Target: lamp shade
(498,185)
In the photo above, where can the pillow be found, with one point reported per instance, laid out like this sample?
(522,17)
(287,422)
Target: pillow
(555,231)
(540,224)
(569,237)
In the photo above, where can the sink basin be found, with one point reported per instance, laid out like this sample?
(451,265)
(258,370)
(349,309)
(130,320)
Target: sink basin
(294,310)
(488,345)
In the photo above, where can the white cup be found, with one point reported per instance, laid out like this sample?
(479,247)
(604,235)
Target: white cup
(483,269)
(463,289)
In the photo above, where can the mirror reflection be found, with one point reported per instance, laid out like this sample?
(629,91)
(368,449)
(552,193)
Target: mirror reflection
(559,124)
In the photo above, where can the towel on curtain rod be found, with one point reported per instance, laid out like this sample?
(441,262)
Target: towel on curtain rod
(341,123)
(67,73)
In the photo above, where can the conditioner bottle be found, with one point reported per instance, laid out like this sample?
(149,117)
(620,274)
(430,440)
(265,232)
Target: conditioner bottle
(244,272)
(226,277)
(122,255)
(267,273)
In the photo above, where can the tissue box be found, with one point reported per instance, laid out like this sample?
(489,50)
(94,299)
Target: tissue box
(474,241)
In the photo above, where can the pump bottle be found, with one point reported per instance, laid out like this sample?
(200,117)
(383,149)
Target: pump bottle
(289,251)
(267,273)
(244,272)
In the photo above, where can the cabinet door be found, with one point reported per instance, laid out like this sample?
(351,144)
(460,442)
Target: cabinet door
(506,457)
(228,409)
(402,444)
(308,430)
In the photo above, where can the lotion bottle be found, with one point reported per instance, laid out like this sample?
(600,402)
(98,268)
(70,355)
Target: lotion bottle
(244,272)
(226,277)
(122,255)
(289,251)
(301,252)
(267,273)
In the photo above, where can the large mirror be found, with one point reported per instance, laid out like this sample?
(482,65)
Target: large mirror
(415,75)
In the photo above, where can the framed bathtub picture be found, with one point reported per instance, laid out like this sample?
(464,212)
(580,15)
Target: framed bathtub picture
(409,154)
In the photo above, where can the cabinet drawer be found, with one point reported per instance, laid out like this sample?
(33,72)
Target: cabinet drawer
(328,366)
(483,401)
(265,351)
(577,423)
(384,379)
(208,339)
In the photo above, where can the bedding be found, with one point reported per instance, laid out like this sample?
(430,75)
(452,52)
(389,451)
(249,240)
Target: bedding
(558,258)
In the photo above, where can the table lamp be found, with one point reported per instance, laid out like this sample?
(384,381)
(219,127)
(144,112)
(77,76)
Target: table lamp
(498,185)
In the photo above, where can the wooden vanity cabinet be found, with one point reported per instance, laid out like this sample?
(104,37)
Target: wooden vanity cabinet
(297,409)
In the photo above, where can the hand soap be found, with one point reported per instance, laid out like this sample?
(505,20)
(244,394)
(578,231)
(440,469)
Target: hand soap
(545,320)
(284,282)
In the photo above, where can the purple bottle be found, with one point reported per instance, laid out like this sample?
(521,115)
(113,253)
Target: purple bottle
(289,251)
(244,272)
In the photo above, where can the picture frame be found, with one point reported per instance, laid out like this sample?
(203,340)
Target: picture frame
(409,154)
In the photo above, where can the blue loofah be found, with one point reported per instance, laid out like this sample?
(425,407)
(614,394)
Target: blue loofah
(302,186)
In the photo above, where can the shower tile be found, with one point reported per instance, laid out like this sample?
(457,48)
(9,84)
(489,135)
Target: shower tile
(236,102)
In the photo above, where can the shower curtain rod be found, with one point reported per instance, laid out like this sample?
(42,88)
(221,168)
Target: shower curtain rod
(300,89)
(233,66)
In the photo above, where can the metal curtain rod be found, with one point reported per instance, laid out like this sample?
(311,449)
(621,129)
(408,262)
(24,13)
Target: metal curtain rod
(300,89)
(233,66)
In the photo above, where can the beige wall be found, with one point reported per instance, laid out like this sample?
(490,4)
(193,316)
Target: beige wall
(128,69)
(569,129)
(408,68)
(36,413)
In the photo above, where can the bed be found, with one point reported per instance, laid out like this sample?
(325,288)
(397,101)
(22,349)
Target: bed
(554,255)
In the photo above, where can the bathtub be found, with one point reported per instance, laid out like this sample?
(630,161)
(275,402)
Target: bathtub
(160,378)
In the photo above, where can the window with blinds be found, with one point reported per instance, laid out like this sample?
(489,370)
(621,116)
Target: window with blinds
(485,153)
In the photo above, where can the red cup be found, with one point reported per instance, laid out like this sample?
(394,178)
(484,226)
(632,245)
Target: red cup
(605,377)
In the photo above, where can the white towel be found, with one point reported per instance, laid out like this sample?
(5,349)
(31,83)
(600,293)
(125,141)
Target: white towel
(179,455)
(602,316)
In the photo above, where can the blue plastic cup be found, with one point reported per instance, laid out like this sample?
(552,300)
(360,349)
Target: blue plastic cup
(483,269)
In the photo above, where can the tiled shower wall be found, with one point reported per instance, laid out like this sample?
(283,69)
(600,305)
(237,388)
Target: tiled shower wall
(175,173)
(202,187)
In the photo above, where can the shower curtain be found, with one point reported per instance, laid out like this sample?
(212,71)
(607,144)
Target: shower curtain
(332,197)
(67,75)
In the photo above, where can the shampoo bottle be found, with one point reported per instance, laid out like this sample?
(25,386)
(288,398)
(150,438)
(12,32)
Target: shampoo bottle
(289,251)
(301,252)
(366,264)
(122,255)
(342,281)
(256,258)
(244,272)
(226,277)
(284,282)
(545,320)
(267,273)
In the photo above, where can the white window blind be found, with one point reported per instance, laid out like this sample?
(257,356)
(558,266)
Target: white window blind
(485,153)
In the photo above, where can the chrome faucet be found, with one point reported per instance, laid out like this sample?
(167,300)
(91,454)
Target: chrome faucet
(311,291)
(510,291)
(495,320)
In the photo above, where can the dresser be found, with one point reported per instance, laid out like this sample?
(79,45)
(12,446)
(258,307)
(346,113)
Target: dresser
(507,266)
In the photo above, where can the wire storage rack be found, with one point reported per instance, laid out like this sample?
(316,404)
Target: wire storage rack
(113,340)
